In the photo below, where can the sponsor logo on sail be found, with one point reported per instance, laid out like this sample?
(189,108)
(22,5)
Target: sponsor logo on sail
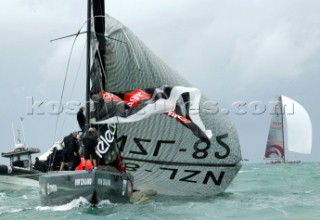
(133,98)
(178,117)
(106,140)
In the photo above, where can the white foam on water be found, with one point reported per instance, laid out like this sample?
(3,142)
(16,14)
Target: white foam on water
(76,203)
(3,195)
(4,210)
(245,171)
(103,203)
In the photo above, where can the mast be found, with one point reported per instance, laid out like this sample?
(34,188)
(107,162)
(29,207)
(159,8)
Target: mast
(24,138)
(14,135)
(283,141)
(87,118)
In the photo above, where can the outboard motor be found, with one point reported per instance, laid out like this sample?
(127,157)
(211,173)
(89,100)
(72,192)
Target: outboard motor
(5,169)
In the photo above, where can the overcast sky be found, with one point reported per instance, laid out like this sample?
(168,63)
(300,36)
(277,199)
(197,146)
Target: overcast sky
(244,50)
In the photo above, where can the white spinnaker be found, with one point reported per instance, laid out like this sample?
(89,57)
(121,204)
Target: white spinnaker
(299,128)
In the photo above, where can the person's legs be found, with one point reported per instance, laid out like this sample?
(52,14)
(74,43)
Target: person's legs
(86,157)
(84,164)
(94,163)
(64,159)
(94,159)
(73,163)
(62,166)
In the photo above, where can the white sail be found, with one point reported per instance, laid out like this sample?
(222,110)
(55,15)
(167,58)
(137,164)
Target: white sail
(299,128)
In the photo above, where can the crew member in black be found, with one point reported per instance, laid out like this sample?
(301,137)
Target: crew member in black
(81,118)
(71,151)
(39,165)
(54,159)
(90,141)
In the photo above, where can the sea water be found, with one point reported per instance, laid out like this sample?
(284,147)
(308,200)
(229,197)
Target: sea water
(259,191)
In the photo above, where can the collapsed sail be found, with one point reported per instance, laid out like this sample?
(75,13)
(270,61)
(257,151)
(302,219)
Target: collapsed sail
(139,104)
(275,145)
(299,128)
(161,152)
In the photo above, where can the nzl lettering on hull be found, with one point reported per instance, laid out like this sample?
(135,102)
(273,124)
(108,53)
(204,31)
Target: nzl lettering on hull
(182,180)
(181,172)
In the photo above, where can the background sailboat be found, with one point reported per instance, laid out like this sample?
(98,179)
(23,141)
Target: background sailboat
(296,136)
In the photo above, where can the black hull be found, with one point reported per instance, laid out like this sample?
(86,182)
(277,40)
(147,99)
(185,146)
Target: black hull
(20,172)
(16,178)
(58,188)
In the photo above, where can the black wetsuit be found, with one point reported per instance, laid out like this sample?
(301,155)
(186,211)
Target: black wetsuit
(55,159)
(40,165)
(81,119)
(71,146)
(89,142)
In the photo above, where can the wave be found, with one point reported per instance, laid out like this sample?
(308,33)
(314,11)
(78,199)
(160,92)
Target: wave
(76,203)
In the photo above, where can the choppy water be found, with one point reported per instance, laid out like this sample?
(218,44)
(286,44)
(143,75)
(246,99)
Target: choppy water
(259,191)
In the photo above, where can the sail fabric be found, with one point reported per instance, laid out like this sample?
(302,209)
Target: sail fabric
(138,105)
(160,153)
(275,142)
(299,128)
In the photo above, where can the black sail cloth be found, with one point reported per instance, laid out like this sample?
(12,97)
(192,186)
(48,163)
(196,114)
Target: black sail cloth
(139,104)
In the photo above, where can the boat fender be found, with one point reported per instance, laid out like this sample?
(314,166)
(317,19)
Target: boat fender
(9,169)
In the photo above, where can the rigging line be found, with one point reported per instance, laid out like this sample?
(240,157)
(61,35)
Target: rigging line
(14,136)
(80,13)
(65,116)
(63,87)
(106,36)
(102,68)
(70,35)
(76,36)
(111,38)
(130,44)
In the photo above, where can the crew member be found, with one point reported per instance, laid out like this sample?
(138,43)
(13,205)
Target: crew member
(54,159)
(90,141)
(81,118)
(71,151)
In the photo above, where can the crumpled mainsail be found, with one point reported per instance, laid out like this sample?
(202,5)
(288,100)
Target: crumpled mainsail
(138,105)
(162,153)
